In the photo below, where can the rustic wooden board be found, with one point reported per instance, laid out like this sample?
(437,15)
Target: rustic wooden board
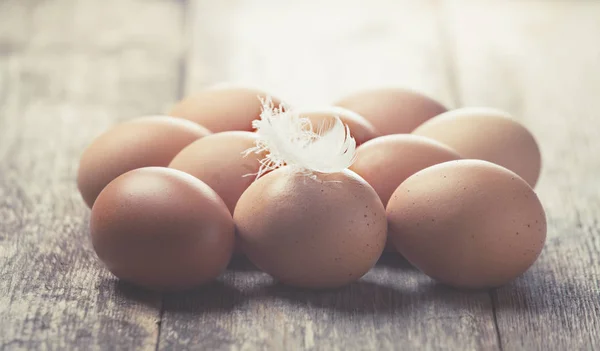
(539,60)
(392,307)
(285,49)
(69,70)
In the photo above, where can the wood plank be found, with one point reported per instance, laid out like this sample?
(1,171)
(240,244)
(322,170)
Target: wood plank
(539,61)
(69,70)
(312,55)
(392,307)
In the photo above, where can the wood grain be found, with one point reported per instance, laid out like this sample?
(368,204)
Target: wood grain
(68,71)
(539,60)
(392,307)
(314,55)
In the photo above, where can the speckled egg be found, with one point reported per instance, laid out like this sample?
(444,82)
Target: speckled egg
(467,223)
(313,232)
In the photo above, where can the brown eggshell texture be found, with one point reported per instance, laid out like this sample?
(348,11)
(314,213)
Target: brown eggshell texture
(311,233)
(392,111)
(467,223)
(360,129)
(487,134)
(223,109)
(387,161)
(218,160)
(162,229)
(142,142)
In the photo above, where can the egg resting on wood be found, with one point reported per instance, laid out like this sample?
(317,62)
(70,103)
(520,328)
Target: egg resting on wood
(467,223)
(311,223)
(312,232)
(162,229)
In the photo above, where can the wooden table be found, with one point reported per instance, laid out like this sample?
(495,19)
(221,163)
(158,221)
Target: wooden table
(69,69)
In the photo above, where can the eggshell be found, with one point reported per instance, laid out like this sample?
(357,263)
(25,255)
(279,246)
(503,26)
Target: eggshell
(361,129)
(393,111)
(162,229)
(313,233)
(387,161)
(141,142)
(223,109)
(487,134)
(467,223)
(218,160)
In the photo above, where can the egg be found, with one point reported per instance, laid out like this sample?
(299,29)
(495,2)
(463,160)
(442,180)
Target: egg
(323,231)
(162,229)
(219,161)
(490,135)
(361,129)
(223,109)
(467,223)
(393,111)
(387,161)
(141,142)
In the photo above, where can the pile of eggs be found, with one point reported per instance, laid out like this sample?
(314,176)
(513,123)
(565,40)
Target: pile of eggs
(173,197)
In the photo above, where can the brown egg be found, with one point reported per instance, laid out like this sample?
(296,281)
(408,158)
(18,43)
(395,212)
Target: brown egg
(142,142)
(387,161)
(487,134)
(361,129)
(218,161)
(467,223)
(222,109)
(308,232)
(393,111)
(162,229)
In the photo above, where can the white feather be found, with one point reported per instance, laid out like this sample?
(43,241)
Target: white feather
(287,138)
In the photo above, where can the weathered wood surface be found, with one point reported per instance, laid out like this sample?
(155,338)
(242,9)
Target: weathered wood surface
(69,69)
